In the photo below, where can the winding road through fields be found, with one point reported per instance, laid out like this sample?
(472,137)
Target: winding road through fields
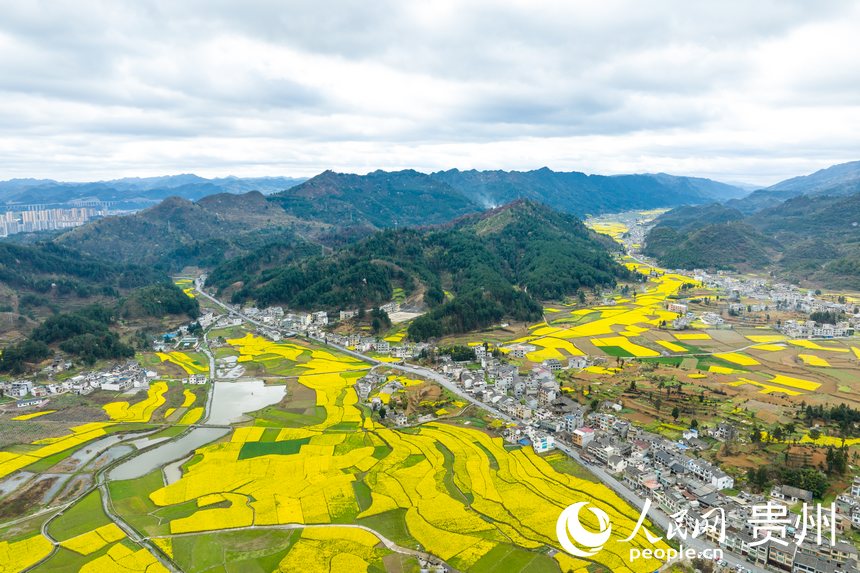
(656,515)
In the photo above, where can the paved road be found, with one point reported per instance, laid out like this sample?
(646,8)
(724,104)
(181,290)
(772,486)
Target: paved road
(656,515)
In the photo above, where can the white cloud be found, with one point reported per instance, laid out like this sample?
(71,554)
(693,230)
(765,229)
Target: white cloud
(728,89)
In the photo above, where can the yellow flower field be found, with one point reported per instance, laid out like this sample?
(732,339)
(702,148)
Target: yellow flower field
(626,345)
(738,358)
(813,360)
(765,388)
(140,412)
(767,338)
(692,336)
(671,346)
(627,318)
(165,544)
(332,550)
(20,555)
(721,370)
(798,383)
(516,498)
(118,411)
(812,345)
(190,417)
(121,559)
(32,415)
(613,229)
(397,337)
(183,361)
(92,541)
(600,370)
(188,398)
(769,347)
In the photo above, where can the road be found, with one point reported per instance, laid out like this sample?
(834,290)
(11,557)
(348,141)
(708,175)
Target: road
(656,515)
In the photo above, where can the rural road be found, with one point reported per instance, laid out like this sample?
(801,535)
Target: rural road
(657,516)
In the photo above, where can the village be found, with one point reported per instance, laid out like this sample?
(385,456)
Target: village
(542,413)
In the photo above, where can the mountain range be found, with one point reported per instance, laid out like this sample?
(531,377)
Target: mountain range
(178,232)
(837,180)
(134,191)
(470,273)
(392,198)
(812,239)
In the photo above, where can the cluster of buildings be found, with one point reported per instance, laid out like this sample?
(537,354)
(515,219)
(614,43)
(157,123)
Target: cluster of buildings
(118,378)
(812,329)
(365,344)
(848,504)
(40,219)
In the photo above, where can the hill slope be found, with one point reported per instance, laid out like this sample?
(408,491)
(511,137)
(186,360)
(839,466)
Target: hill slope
(810,238)
(39,280)
(496,264)
(581,194)
(177,232)
(837,180)
(379,199)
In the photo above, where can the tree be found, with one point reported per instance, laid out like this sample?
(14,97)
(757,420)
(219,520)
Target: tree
(694,424)
(675,413)
(755,436)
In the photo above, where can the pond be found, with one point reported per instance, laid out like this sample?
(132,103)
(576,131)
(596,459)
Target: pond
(230,402)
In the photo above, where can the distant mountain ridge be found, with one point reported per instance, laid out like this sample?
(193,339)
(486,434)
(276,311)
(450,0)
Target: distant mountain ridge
(177,231)
(810,238)
(379,199)
(396,198)
(135,190)
(392,198)
(582,194)
(837,180)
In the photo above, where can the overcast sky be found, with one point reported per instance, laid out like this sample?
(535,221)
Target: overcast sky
(735,90)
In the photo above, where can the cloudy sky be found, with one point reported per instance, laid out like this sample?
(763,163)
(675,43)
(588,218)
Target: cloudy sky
(736,90)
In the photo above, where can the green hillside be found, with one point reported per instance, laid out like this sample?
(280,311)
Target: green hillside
(497,264)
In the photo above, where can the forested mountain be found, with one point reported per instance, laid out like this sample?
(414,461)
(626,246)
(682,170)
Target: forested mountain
(86,333)
(333,208)
(496,264)
(135,191)
(177,232)
(582,194)
(838,180)
(47,276)
(379,199)
(49,291)
(809,238)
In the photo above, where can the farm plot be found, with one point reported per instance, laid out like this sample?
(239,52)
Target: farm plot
(142,411)
(454,491)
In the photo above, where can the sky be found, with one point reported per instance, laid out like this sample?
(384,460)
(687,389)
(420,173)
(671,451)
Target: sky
(739,91)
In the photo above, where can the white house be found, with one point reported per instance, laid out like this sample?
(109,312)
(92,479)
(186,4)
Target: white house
(543,443)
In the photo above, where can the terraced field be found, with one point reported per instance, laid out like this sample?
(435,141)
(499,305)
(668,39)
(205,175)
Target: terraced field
(450,491)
